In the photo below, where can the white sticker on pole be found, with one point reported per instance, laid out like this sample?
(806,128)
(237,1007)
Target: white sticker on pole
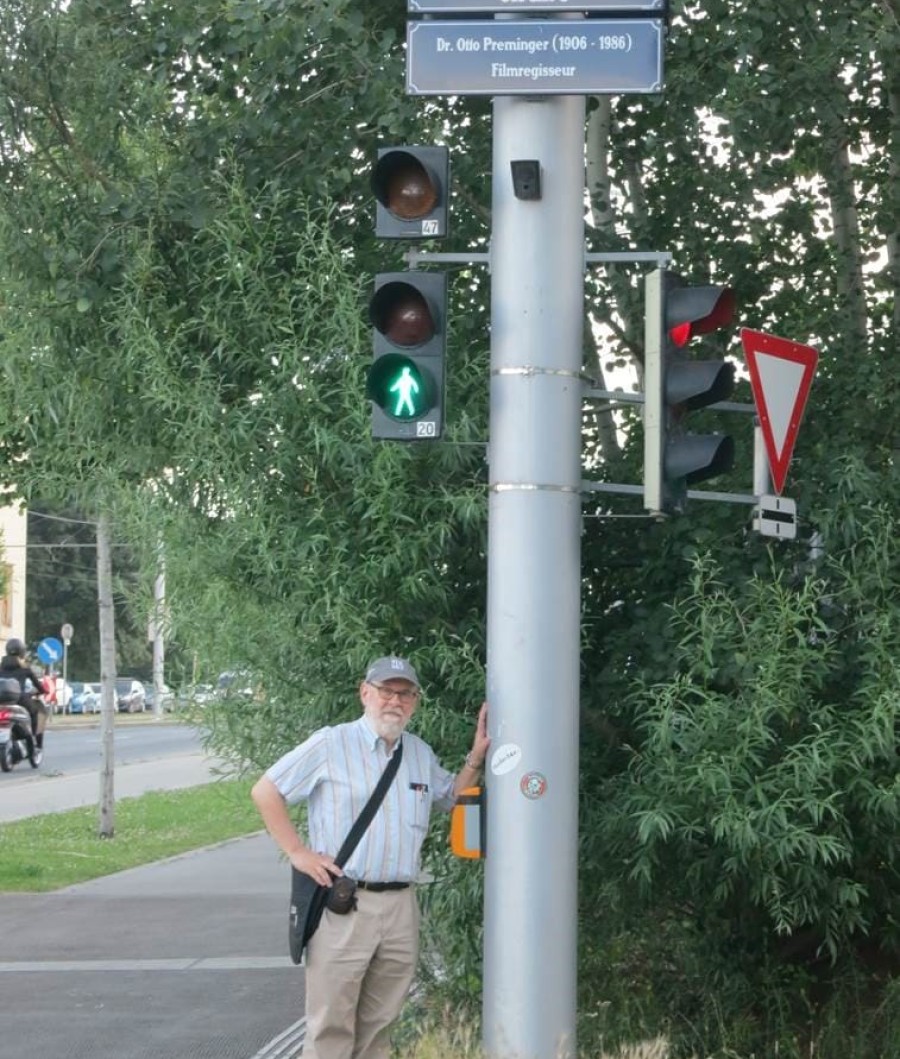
(505,758)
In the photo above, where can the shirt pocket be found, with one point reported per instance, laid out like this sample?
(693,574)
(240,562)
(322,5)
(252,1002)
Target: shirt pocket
(418,805)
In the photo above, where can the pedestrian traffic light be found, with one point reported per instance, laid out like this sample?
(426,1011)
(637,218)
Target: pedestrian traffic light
(406,381)
(674,386)
(411,186)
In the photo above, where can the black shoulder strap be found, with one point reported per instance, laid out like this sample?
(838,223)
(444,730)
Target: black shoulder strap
(370,808)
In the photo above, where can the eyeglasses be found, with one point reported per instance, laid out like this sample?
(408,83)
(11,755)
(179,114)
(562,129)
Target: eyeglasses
(406,696)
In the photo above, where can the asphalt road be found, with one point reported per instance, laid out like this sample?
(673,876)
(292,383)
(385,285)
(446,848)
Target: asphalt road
(75,746)
(148,756)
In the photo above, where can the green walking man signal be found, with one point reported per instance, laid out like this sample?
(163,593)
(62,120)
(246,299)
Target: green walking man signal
(405,388)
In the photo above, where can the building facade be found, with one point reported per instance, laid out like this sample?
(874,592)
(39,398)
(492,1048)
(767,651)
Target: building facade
(13,563)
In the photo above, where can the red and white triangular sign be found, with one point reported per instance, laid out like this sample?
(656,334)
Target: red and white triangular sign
(781,373)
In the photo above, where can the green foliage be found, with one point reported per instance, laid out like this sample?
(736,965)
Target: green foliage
(185,257)
(755,810)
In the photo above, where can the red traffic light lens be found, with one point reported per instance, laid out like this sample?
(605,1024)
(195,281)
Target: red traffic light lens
(680,334)
(402,315)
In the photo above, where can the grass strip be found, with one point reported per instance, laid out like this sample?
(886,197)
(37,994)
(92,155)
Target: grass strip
(48,852)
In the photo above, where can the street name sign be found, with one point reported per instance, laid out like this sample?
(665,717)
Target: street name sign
(781,373)
(534,57)
(522,7)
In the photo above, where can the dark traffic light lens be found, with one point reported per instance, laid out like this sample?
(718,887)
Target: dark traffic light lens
(410,193)
(404,186)
(402,315)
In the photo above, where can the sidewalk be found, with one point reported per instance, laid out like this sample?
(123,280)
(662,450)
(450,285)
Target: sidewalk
(182,959)
(185,958)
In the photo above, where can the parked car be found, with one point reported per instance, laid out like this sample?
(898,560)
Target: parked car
(129,695)
(235,684)
(194,695)
(167,697)
(85,697)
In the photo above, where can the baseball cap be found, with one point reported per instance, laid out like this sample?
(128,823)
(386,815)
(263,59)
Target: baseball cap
(391,668)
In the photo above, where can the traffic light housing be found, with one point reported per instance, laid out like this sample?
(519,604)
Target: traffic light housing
(675,386)
(412,191)
(408,312)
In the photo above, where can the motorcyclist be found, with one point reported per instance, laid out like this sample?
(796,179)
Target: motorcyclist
(10,694)
(14,666)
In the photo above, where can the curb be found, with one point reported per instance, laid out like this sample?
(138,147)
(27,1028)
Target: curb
(94,720)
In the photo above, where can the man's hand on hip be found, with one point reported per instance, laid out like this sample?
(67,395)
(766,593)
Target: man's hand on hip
(318,866)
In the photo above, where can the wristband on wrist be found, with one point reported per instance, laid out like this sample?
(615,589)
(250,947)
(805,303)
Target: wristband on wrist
(471,764)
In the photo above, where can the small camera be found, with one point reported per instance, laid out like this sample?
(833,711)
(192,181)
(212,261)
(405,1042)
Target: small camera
(526,178)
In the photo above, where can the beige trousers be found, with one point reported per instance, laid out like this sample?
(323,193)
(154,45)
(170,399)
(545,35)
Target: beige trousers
(359,969)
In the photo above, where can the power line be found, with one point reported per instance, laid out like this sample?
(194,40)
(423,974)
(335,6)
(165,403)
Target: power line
(61,518)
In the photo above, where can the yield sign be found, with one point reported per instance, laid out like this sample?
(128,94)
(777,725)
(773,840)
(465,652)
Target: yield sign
(781,373)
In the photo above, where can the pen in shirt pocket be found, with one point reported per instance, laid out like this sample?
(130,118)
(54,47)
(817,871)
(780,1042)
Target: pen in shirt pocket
(421,788)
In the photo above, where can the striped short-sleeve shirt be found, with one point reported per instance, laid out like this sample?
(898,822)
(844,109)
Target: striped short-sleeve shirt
(336,770)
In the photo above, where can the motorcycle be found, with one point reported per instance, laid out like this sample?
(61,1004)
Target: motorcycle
(15,736)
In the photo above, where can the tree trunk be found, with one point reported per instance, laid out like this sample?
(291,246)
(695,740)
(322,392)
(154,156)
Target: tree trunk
(107,820)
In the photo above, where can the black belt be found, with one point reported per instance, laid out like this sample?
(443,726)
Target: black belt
(380,887)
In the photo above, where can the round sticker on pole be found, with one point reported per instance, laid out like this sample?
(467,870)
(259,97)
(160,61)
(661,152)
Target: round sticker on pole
(533,785)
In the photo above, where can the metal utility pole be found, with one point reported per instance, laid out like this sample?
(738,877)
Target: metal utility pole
(538,72)
(107,822)
(534,556)
(66,633)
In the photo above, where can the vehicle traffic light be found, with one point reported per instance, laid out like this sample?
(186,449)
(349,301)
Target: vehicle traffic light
(674,386)
(406,381)
(411,186)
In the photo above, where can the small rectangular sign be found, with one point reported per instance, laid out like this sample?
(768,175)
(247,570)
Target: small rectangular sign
(776,516)
(522,7)
(534,57)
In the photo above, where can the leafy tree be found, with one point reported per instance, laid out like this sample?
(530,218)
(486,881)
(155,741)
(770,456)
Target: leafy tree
(185,238)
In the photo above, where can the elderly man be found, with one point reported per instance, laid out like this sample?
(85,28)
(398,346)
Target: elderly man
(360,966)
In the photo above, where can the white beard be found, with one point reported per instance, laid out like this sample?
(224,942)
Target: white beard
(389,729)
